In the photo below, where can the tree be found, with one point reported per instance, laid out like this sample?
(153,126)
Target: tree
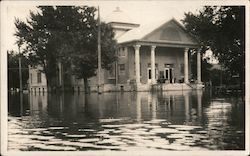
(13,72)
(66,34)
(221,29)
(86,60)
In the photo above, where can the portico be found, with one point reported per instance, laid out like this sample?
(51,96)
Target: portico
(153,60)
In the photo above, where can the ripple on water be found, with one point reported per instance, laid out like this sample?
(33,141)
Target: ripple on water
(135,125)
(75,135)
(111,126)
(184,127)
(112,120)
(155,121)
(53,147)
(86,130)
(164,130)
(56,128)
(89,140)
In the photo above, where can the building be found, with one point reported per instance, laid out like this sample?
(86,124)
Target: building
(37,80)
(154,56)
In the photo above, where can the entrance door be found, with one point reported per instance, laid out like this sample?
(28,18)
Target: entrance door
(149,75)
(168,75)
(171,75)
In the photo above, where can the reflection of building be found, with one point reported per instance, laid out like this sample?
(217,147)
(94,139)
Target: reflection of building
(147,54)
(38,103)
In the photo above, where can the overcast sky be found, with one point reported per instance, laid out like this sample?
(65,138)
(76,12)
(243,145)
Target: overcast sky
(140,12)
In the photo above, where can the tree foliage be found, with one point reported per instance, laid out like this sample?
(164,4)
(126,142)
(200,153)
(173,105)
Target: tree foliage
(67,34)
(221,29)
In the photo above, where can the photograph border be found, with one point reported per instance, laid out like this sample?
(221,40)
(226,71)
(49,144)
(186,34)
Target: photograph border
(4,94)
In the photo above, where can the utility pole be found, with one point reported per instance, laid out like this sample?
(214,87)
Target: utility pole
(99,52)
(20,81)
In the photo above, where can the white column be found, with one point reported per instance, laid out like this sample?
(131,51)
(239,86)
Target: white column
(153,64)
(198,66)
(186,65)
(137,63)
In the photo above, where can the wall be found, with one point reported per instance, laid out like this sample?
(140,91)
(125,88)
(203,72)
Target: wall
(34,85)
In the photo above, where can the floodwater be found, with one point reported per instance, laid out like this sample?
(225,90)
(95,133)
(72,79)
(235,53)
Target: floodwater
(183,120)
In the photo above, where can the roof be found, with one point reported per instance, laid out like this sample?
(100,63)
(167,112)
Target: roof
(140,32)
(143,33)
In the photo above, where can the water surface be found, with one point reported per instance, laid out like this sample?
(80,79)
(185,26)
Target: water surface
(180,120)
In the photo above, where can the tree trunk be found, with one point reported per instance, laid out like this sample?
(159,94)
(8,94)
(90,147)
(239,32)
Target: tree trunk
(86,87)
(48,84)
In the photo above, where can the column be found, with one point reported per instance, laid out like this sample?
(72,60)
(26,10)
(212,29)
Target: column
(137,63)
(153,64)
(198,66)
(186,65)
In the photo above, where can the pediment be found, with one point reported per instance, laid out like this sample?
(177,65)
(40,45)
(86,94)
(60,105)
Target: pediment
(170,31)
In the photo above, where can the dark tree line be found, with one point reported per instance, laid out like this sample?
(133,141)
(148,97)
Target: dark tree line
(221,29)
(65,34)
(13,70)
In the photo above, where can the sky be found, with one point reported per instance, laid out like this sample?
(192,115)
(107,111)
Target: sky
(140,12)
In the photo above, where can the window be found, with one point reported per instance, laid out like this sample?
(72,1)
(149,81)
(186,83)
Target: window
(166,65)
(121,52)
(39,77)
(149,73)
(167,73)
(121,68)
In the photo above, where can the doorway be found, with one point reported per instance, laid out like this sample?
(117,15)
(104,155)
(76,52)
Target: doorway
(168,75)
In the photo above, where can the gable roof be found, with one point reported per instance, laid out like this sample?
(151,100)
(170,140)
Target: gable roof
(143,33)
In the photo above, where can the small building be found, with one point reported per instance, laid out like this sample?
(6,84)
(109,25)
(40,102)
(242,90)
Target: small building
(37,80)
(154,56)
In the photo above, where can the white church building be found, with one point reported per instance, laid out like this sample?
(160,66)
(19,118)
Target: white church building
(153,56)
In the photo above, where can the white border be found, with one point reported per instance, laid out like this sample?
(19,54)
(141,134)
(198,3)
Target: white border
(3,84)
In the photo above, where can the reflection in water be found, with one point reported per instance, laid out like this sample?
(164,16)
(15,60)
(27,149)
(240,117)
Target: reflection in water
(125,121)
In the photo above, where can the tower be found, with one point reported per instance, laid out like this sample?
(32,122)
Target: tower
(120,22)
